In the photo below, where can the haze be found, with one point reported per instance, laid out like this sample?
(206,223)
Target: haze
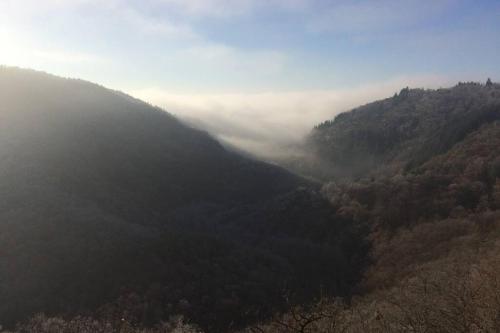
(257,74)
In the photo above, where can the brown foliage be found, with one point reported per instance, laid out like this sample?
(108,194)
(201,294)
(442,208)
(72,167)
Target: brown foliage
(42,324)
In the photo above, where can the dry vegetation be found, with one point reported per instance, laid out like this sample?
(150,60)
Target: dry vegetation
(440,277)
(448,295)
(436,247)
(43,324)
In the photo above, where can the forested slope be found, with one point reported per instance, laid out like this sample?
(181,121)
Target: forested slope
(432,201)
(403,235)
(112,208)
(398,133)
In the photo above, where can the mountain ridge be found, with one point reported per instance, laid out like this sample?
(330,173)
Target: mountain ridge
(396,134)
(114,208)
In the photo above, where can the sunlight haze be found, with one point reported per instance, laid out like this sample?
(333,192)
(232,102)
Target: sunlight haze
(255,65)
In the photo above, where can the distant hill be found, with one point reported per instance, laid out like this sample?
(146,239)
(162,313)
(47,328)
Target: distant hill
(114,208)
(398,133)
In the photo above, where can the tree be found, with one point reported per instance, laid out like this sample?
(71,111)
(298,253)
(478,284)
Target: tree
(405,92)
(489,83)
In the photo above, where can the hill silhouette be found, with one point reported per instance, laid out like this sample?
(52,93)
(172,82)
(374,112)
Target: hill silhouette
(114,208)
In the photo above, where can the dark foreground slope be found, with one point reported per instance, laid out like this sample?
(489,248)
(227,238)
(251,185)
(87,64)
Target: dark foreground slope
(112,208)
(399,133)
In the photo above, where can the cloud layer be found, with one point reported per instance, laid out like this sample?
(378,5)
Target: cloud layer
(269,124)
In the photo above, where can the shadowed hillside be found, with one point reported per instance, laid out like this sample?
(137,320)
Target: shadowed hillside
(112,208)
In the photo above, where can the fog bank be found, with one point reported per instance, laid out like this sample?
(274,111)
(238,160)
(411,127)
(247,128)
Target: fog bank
(270,124)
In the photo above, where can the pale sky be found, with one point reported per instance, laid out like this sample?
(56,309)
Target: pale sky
(255,72)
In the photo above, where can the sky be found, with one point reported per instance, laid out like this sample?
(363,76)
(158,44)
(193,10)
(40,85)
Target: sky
(256,73)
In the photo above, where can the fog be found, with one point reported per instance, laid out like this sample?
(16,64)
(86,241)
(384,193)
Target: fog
(271,124)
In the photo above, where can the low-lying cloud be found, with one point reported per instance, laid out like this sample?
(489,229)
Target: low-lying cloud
(269,124)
